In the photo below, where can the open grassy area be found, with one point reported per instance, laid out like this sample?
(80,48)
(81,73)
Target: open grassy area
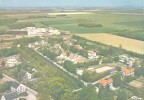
(124,23)
(110,21)
(109,39)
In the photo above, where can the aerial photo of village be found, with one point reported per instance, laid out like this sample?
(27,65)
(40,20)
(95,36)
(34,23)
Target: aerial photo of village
(71,50)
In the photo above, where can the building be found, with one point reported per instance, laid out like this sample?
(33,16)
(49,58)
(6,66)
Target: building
(128,71)
(53,32)
(58,46)
(106,82)
(92,55)
(10,96)
(12,61)
(28,31)
(17,87)
(67,37)
(79,72)
(25,75)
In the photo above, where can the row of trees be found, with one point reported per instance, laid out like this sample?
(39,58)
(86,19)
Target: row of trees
(106,50)
(8,52)
(7,21)
(90,25)
(21,25)
(89,76)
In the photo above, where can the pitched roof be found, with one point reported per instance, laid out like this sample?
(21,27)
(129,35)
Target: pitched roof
(71,57)
(128,70)
(15,85)
(106,82)
(11,96)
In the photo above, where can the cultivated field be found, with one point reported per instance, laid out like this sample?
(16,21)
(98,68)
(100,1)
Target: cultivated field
(70,13)
(109,39)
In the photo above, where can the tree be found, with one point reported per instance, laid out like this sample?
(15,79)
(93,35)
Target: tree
(122,95)
(87,93)
(3,64)
(118,68)
(68,65)
(1,75)
(117,80)
(52,88)
(139,71)
(68,95)
(105,94)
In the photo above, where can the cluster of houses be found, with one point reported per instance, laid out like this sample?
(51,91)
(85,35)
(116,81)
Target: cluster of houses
(35,44)
(17,91)
(33,31)
(127,60)
(10,61)
(75,58)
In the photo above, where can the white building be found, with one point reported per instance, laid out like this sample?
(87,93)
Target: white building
(12,61)
(54,32)
(33,31)
(92,55)
(17,87)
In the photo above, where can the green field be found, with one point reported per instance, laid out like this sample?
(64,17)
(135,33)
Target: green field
(123,24)
(71,22)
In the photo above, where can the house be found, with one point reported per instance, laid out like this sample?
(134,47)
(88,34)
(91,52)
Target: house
(58,46)
(65,32)
(54,32)
(17,87)
(79,60)
(92,54)
(30,45)
(79,72)
(123,58)
(12,61)
(68,43)
(71,58)
(67,37)
(25,75)
(63,55)
(10,96)
(128,71)
(106,82)
(33,31)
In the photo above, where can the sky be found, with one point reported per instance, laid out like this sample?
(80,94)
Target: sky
(71,3)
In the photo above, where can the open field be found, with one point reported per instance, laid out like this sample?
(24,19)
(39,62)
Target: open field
(109,39)
(70,13)
(71,20)
(125,23)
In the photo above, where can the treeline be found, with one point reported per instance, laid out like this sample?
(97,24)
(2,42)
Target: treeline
(7,21)
(139,35)
(90,76)
(32,17)
(2,31)
(55,40)
(90,25)
(51,55)
(21,25)
(26,41)
(107,50)
(8,52)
